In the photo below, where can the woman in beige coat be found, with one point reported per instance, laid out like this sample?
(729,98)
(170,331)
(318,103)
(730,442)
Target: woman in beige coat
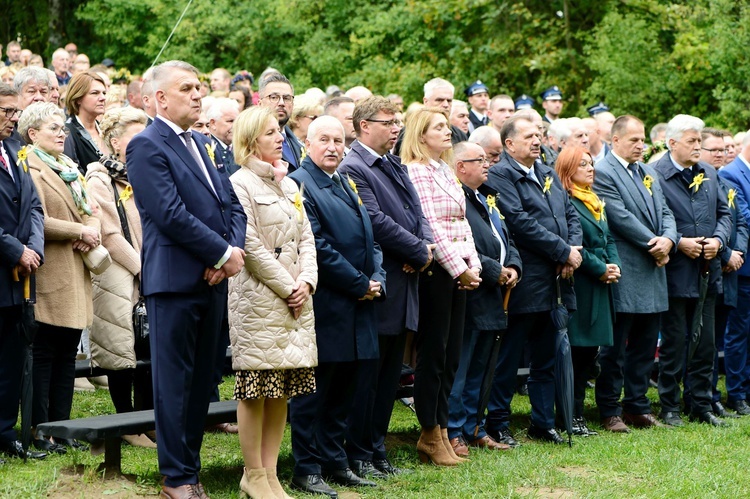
(63,283)
(116,290)
(270,311)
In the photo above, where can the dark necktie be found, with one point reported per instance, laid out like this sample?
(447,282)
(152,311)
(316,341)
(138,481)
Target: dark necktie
(687,175)
(188,138)
(4,163)
(286,149)
(337,181)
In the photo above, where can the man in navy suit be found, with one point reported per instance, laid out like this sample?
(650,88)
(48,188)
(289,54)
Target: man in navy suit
(277,92)
(221,116)
(350,277)
(22,248)
(193,234)
(405,238)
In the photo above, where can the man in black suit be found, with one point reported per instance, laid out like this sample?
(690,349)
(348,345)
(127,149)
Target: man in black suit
(479,98)
(405,238)
(276,92)
(547,233)
(21,248)
(221,116)
(704,225)
(485,319)
(350,277)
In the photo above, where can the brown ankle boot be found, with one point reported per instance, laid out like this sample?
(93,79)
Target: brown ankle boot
(273,481)
(449,447)
(254,484)
(431,449)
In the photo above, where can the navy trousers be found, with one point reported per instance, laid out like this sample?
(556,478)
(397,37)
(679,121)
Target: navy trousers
(12,349)
(184,334)
(737,344)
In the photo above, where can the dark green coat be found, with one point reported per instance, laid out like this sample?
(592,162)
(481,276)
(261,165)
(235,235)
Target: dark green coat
(591,324)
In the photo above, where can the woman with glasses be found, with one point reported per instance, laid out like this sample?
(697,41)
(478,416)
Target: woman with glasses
(591,325)
(85,102)
(443,284)
(306,110)
(63,284)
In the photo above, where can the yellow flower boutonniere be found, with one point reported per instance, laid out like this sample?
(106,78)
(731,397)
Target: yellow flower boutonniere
(547,184)
(298,202)
(730,197)
(492,205)
(354,188)
(126,194)
(458,181)
(302,153)
(697,181)
(211,150)
(23,157)
(648,181)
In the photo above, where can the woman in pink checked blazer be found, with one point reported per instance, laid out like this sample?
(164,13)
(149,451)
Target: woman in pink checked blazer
(443,283)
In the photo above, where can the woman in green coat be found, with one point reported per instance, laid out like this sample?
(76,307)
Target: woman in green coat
(591,325)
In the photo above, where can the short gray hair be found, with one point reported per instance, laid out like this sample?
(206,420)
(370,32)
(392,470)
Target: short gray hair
(35,115)
(484,136)
(680,124)
(221,105)
(560,129)
(160,74)
(59,52)
(656,130)
(436,83)
(273,77)
(322,121)
(30,74)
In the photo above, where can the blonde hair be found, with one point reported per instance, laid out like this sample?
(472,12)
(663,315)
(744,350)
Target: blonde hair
(413,149)
(248,126)
(117,120)
(303,106)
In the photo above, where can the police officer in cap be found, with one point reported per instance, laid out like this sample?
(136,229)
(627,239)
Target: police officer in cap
(552,103)
(479,99)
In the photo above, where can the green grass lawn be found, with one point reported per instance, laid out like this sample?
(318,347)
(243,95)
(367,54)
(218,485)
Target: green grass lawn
(692,462)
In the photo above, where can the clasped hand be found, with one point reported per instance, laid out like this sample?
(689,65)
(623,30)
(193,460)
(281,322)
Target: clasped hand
(230,268)
(29,261)
(611,275)
(372,292)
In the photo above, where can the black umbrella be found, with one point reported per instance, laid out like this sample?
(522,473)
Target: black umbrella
(563,364)
(696,327)
(27,327)
(486,387)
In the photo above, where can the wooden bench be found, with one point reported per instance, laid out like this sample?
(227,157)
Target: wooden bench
(108,430)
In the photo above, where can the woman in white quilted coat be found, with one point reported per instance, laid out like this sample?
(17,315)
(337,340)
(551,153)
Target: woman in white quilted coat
(115,291)
(271,322)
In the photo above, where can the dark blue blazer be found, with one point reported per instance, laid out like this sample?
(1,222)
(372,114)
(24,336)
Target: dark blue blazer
(346,328)
(737,239)
(484,305)
(703,213)
(224,157)
(399,228)
(738,174)
(186,226)
(21,223)
(543,225)
(296,146)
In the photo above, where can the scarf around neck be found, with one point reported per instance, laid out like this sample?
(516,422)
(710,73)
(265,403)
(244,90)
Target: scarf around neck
(590,199)
(67,170)
(115,168)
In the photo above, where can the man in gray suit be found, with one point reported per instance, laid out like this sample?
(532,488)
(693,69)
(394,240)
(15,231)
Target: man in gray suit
(644,230)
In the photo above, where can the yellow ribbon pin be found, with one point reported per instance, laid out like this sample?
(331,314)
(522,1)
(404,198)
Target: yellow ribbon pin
(302,153)
(697,181)
(211,150)
(354,188)
(730,197)
(22,156)
(547,184)
(298,202)
(648,181)
(492,205)
(126,194)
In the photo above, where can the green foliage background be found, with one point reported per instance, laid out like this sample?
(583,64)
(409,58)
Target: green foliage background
(651,58)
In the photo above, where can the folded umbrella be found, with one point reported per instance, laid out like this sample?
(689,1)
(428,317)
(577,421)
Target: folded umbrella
(563,364)
(696,326)
(27,327)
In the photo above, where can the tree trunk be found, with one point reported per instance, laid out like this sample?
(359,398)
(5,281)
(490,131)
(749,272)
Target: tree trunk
(55,24)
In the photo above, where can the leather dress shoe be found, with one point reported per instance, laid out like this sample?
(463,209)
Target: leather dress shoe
(72,443)
(459,446)
(672,418)
(546,435)
(347,478)
(313,484)
(385,466)
(15,449)
(503,436)
(229,428)
(615,424)
(707,417)
(641,420)
(364,468)
(739,406)
(48,446)
(486,442)
(188,491)
(581,429)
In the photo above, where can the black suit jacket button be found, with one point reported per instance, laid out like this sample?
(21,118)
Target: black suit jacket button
(406,206)
(224,235)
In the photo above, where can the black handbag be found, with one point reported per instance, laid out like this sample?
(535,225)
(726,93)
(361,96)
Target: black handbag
(140,317)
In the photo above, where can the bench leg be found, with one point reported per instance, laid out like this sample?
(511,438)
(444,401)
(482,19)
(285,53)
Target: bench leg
(112,456)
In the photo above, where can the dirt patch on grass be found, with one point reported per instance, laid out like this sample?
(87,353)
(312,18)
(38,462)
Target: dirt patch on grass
(81,482)
(577,471)
(546,493)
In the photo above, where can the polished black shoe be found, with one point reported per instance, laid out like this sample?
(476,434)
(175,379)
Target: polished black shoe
(347,478)
(721,412)
(707,417)
(15,449)
(313,484)
(72,443)
(547,435)
(503,437)
(672,418)
(739,406)
(46,445)
(385,466)
(366,469)
(581,429)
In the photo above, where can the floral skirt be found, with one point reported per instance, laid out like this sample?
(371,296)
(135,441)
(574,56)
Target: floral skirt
(274,383)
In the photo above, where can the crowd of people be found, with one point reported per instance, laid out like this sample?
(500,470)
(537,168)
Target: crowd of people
(331,237)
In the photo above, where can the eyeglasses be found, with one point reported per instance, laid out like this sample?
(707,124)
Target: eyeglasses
(11,111)
(715,151)
(288,99)
(483,161)
(311,118)
(388,123)
(56,129)
(586,164)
